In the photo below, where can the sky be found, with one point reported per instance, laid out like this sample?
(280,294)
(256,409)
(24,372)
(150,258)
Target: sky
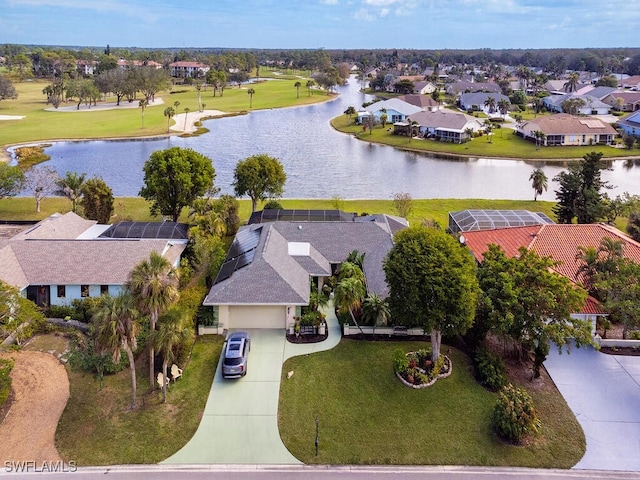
(329,24)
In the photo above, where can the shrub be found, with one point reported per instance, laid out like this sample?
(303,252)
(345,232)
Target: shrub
(273,205)
(83,356)
(490,369)
(83,308)
(400,361)
(514,415)
(634,335)
(61,311)
(5,380)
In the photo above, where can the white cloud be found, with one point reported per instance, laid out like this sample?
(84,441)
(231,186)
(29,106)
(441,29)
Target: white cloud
(329,2)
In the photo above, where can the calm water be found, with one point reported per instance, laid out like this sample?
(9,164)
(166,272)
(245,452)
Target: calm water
(319,161)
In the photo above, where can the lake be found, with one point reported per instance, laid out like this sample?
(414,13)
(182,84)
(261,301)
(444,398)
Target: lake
(321,162)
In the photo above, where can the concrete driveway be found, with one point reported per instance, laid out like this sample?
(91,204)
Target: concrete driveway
(603,391)
(240,420)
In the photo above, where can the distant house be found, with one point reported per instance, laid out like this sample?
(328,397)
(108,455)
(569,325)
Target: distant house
(592,105)
(396,110)
(265,278)
(188,69)
(597,92)
(66,257)
(630,82)
(86,67)
(629,101)
(425,102)
(631,124)
(122,63)
(565,129)
(465,86)
(475,102)
(446,126)
(423,87)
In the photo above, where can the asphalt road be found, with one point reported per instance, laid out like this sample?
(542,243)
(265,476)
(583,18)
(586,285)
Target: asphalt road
(253,472)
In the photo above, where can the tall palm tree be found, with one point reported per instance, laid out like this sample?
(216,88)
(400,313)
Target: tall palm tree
(297,85)
(571,85)
(143,104)
(186,114)
(116,330)
(310,83)
(169,112)
(589,259)
(154,286)
(251,91)
(71,187)
(171,333)
(503,107)
(469,132)
(490,103)
(349,295)
(539,182)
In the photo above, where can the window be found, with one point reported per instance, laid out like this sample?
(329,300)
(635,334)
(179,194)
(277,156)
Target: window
(62,291)
(104,289)
(84,291)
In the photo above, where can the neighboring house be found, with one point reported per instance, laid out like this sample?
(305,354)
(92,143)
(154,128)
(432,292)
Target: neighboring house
(597,92)
(555,87)
(631,124)
(445,125)
(565,129)
(188,69)
(423,87)
(475,102)
(66,257)
(472,220)
(137,63)
(465,86)
(629,101)
(592,105)
(425,102)
(560,242)
(632,82)
(86,67)
(396,110)
(265,278)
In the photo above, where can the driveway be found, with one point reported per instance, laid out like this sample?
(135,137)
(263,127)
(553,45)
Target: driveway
(603,391)
(240,420)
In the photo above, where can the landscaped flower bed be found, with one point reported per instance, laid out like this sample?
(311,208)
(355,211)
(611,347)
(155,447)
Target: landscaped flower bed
(417,370)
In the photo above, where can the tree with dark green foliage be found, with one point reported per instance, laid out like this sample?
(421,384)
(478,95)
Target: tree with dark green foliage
(11,180)
(621,292)
(633,226)
(7,90)
(432,283)
(97,200)
(71,187)
(529,304)
(174,178)
(19,317)
(580,195)
(259,177)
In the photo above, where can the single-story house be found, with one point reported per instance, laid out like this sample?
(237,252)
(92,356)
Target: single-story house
(592,105)
(423,87)
(265,278)
(560,242)
(631,124)
(396,110)
(66,257)
(630,82)
(623,101)
(464,86)
(598,92)
(425,102)
(445,125)
(565,129)
(475,102)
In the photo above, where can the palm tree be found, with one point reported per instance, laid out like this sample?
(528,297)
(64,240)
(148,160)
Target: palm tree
(153,284)
(488,128)
(116,330)
(469,132)
(143,104)
(186,114)
(503,106)
(589,258)
(350,269)
(571,85)
(490,103)
(176,104)
(375,311)
(349,295)
(539,182)
(171,333)
(297,85)
(169,112)
(71,187)
(310,83)
(251,91)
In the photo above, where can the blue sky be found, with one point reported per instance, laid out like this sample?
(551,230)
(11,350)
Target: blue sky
(367,24)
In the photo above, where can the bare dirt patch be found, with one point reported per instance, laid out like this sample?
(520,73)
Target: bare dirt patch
(40,390)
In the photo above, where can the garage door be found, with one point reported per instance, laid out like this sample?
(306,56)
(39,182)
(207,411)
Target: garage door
(257,317)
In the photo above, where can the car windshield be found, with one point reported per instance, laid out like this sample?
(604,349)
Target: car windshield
(233,361)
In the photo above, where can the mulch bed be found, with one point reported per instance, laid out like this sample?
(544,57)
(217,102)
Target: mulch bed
(307,338)
(629,352)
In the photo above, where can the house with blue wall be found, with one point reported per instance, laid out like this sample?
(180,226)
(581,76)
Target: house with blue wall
(66,257)
(631,124)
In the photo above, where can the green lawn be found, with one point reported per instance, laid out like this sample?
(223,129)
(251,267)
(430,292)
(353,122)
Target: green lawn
(366,416)
(40,125)
(504,144)
(97,427)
